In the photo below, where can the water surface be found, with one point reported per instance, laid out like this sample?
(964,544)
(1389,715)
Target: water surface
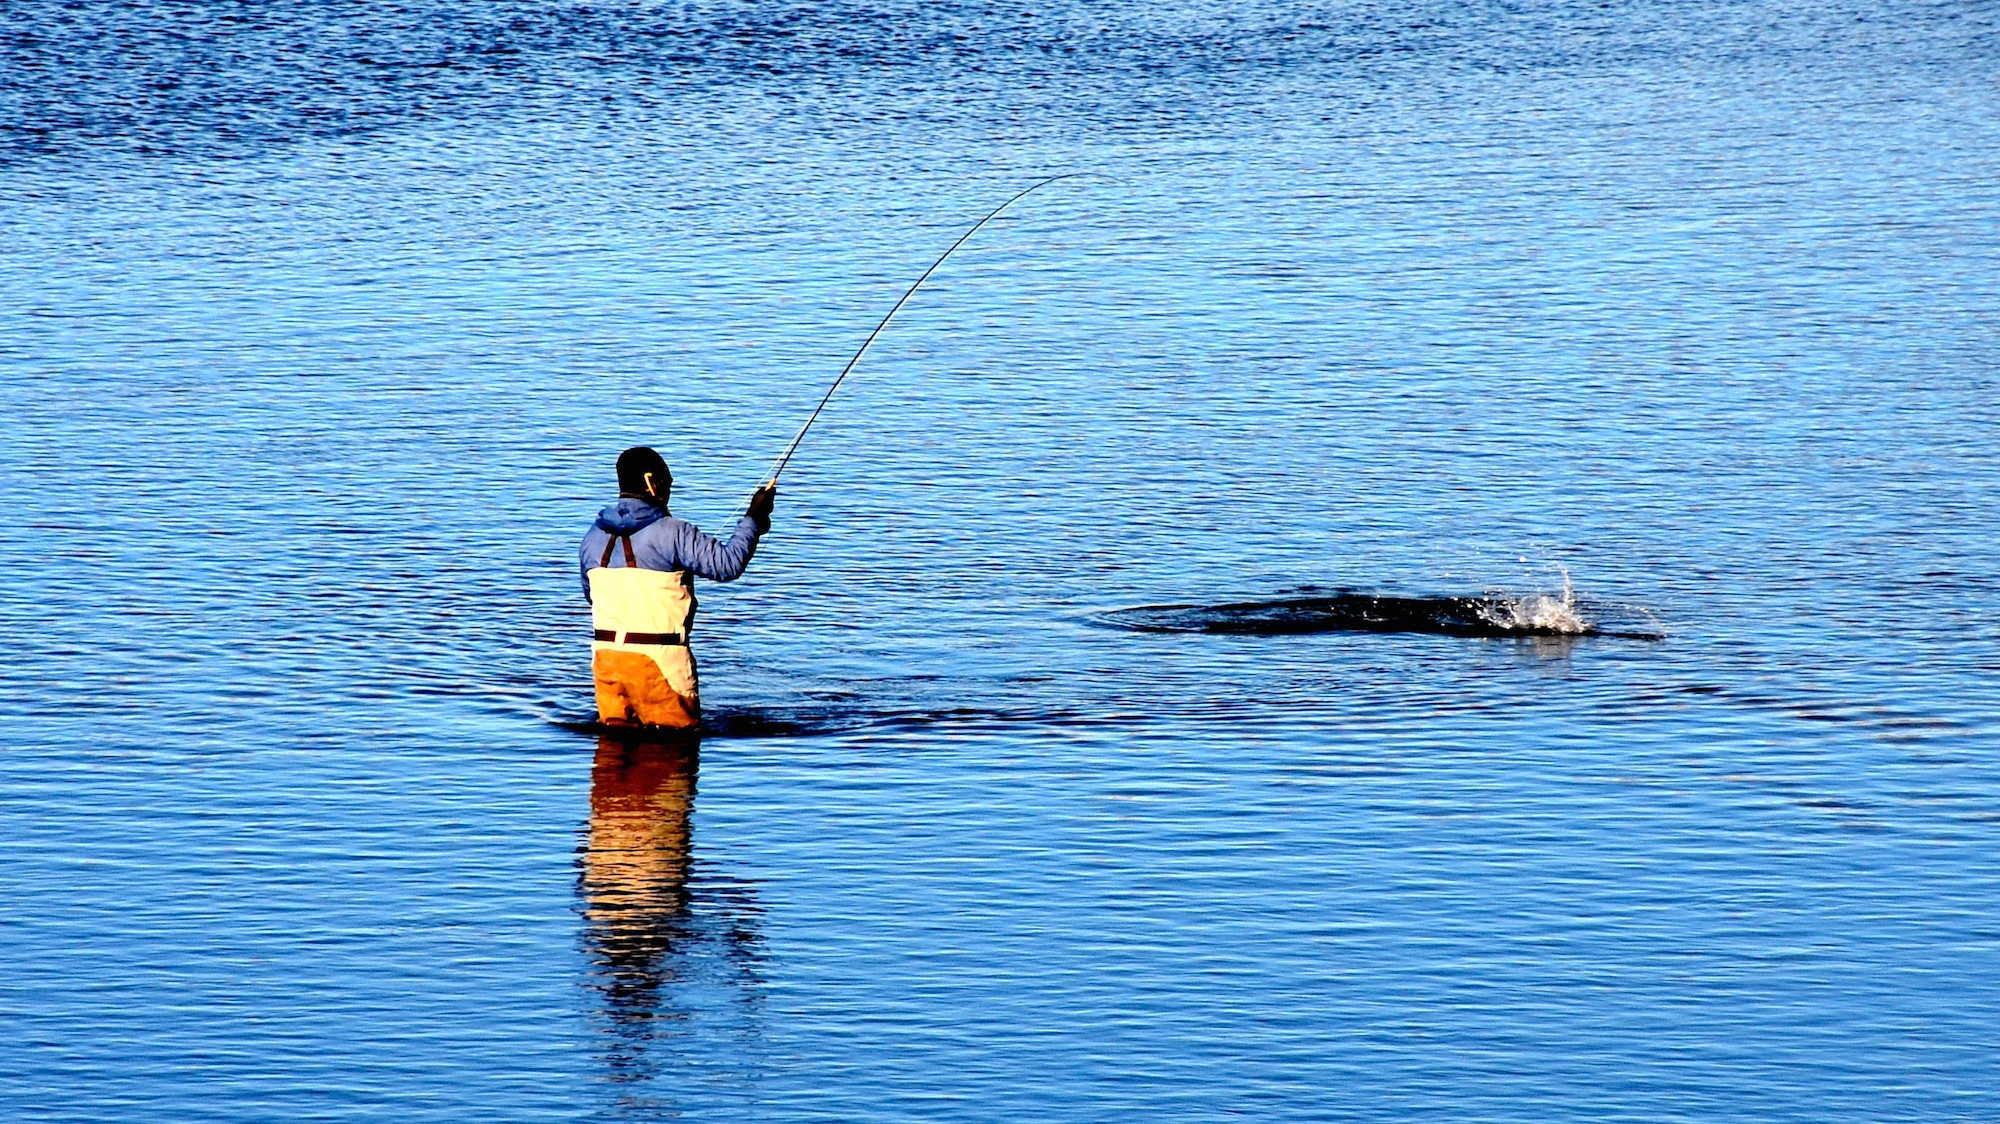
(321,327)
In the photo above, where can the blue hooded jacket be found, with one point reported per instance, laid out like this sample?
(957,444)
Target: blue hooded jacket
(662,542)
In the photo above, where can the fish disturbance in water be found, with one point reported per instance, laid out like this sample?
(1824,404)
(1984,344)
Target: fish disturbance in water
(1537,614)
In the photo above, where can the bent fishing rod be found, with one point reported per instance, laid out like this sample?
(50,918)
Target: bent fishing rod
(772,480)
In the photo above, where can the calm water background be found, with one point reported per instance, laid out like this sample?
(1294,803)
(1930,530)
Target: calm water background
(320,325)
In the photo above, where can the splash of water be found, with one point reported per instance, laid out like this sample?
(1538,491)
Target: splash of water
(1541,613)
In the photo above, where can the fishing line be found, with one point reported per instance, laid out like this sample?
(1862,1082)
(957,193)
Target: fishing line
(779,466)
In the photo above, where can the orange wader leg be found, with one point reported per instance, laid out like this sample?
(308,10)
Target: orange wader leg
(632,689)
(614,706)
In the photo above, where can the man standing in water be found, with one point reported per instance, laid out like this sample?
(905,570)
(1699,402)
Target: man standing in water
(636,563)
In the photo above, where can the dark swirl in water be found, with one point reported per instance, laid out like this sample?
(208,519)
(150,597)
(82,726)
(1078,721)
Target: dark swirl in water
(1536,614)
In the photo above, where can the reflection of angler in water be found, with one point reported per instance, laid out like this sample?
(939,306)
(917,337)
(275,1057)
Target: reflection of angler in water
(671,961)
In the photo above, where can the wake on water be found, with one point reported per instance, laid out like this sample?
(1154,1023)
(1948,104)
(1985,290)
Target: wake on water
(1559,615)
(1489,614)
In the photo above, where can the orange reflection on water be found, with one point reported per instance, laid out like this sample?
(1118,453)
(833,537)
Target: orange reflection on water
(672,958)
(635,863)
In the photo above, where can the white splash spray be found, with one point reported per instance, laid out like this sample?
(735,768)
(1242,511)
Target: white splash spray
(1538,612)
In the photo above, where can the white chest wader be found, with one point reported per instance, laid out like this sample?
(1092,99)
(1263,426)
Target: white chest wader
(640,659)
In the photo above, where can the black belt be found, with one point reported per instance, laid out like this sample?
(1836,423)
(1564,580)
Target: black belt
(671,639)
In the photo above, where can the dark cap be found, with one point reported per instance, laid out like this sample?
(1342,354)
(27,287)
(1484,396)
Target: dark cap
(643,473)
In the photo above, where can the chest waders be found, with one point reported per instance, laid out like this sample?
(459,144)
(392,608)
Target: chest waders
(639,651)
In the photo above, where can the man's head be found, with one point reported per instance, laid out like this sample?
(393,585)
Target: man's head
(642,474)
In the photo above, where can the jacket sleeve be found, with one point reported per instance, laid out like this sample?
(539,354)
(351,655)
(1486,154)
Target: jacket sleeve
(704,556)
(587,556)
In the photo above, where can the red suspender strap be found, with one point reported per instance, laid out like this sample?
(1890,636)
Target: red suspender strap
(630,559)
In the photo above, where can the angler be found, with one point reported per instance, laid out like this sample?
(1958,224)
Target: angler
(638,565)
(638,559)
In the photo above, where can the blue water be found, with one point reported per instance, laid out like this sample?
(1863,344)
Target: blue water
(321,325)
